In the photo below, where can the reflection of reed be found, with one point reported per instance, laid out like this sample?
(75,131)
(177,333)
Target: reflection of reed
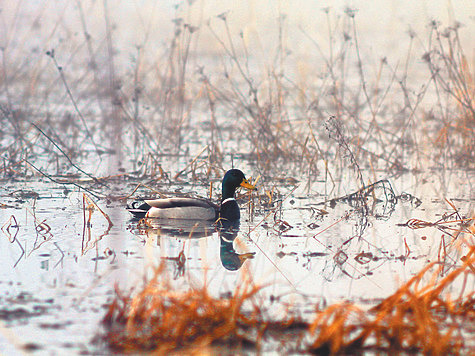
(10,229)
(452,225)
(87,223)
(377,200)
(180,265)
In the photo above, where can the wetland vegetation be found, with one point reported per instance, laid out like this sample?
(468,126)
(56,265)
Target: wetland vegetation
(359,135)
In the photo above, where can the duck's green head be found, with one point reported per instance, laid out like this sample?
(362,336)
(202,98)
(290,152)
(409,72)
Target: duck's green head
(233,179)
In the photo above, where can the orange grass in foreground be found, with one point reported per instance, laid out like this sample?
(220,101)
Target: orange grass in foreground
(162,320)
(413,319)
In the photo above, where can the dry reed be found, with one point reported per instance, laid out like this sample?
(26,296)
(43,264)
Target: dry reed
(160,319)
(413,319)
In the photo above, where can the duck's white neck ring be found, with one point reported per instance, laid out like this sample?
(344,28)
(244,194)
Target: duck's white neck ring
(226,200)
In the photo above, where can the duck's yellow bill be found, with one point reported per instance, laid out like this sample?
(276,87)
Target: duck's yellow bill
(247,185)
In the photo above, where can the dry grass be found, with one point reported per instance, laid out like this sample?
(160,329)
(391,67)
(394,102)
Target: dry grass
(453,81)
(151,107)
(160,319)
(413,319)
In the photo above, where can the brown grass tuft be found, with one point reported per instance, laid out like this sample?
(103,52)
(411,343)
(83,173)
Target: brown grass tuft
(160,319)
(411,320)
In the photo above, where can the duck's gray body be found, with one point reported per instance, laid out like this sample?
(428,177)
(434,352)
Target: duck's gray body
(182,208)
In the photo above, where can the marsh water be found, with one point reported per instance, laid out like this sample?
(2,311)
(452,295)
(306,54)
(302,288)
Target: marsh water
(346,208)
(59,272)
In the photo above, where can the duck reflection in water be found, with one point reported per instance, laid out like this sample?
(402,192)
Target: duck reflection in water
(186,229)
(230,259)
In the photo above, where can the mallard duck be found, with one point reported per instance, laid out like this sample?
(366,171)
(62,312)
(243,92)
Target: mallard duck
(197,208)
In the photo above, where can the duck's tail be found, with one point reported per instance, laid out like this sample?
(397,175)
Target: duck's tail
(137,210)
